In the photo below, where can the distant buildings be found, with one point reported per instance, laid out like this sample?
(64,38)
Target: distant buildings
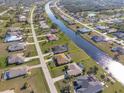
(52,37)
(101,27)
(83,30)
(118,49)
(53,31)
(87,84)
(22,18)
(119,34)
(43,25)
(98,39)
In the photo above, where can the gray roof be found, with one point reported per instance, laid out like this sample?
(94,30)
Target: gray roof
(87,84)
(16,47)
(15,72)
(15,59)
(60,49)
(84,30)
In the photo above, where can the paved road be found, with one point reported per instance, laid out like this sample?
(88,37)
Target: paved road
(42,61)
(86,25)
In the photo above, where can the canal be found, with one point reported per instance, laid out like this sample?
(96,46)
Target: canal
(106,62)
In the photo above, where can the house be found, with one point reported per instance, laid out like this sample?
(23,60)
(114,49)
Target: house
(53,31)
(52,37)
(16,47)
(43,25)
(119,34)
(14,29)
(112,30)
(84,30)
(13,34)
(16,59)
(15,72)
(98,38)
(62,59)
(74,69)
(91,15)
(87,84)
(66,19)
(118,49)
(117,21)
(60,49)
(104,28)
(22,18)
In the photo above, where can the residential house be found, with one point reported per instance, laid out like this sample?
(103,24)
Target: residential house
(60,49)
(15,72)
(52,37)
(102,28)
(53,31)
(83,30)
(22,18)
(67,20)
(13,34)
(87,84)
(98,39)
(74,69)
(118,49)
(91,15)
(62,59)
(117,21)
(112,30)
(43,25)
(16,47)
(119,34)
(16,59)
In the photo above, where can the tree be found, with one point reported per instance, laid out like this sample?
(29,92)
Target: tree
(66,89)
(53,26)
(65,68)
(102,76)
(25,86)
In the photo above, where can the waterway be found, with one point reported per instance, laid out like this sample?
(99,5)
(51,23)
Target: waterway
(113,67)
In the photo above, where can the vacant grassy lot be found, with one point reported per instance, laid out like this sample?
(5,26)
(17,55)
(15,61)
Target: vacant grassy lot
(30,51)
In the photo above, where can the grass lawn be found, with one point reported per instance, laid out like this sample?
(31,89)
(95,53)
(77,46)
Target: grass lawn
(30,40)
(36,81)
(30,51)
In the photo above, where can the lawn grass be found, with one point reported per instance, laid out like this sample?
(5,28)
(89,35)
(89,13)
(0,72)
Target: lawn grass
(30,51)
(30,39)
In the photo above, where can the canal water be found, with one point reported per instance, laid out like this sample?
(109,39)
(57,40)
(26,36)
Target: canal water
(114,68)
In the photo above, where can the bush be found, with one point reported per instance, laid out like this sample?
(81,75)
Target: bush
(3,62)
